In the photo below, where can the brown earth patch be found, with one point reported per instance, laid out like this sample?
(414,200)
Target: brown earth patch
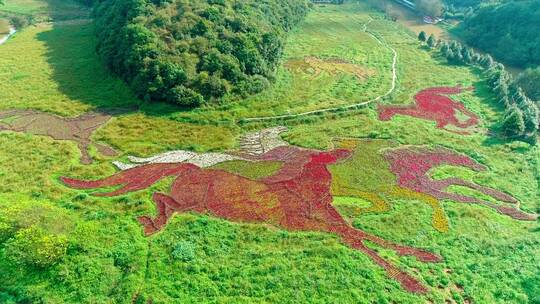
(333,66)
(78,129)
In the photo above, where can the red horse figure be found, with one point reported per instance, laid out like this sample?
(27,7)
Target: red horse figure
(296,198)
(432,104)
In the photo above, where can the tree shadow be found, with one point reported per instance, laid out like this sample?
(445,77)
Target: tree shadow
(59,10)
(82,76)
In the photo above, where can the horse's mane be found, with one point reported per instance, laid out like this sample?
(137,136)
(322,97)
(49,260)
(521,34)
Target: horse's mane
(251,144)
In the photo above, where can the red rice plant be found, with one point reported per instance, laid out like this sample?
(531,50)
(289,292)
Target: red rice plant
(296,198)
(432,104)
(412,166)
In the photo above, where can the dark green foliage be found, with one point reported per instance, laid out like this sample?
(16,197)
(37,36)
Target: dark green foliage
(432,41)
(529,81)
(508,31)
(513,124)
(422,36)
(188,52)
(35,248)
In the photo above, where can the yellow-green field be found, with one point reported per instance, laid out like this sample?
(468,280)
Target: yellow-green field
(488,258)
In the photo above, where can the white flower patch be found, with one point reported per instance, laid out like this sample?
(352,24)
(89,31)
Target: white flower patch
(255,143)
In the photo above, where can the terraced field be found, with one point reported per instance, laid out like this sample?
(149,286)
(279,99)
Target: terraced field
(461,227)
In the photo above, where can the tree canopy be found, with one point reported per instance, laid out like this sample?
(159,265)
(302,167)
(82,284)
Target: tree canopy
(529,81)
(508,31)
(430,7)
(189,52)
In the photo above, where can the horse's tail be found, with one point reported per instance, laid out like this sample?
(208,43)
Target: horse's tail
(133,179)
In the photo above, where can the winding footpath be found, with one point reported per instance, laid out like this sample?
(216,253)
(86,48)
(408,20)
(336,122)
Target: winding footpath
(382,42)
(12,31)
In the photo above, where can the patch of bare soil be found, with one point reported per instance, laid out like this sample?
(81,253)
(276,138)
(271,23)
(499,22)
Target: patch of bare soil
(78,129)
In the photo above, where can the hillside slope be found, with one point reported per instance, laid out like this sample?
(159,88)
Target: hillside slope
(508,31)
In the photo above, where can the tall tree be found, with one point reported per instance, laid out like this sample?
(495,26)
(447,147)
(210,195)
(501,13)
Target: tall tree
(422,36)
(432,41)
(513,124)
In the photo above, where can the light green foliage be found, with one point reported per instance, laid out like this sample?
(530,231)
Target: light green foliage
(33,247)
(183,251)
(253,170)
(327,32)
(43,10)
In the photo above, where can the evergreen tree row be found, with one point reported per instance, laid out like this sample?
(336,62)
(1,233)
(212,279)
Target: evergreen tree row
(522,116)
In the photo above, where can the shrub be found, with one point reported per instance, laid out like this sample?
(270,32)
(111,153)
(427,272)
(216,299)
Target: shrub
(183,251)
(34,247)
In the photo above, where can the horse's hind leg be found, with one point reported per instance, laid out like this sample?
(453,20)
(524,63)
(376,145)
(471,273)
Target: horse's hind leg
(356,239)
(496,194)
(512,212)
(166,207)
(439,219)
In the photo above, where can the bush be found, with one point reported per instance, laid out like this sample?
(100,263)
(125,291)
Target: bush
(183,251)
(19,22)
(34,247)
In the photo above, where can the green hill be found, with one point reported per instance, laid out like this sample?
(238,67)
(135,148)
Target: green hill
(508,31)
(190,52)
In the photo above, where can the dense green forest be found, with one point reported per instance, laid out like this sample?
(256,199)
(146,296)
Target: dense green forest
(509,31)
(189,52)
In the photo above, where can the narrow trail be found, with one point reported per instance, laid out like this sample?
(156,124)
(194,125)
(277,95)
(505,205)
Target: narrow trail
(4,39)
(382,42)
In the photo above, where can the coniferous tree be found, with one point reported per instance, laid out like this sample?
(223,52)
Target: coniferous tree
(444,47)
(422,36)
(432,41)
(513,124)
(530,117)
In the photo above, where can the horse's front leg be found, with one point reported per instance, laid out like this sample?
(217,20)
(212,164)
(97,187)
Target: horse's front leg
(514,213)
(166,207)
(84,147)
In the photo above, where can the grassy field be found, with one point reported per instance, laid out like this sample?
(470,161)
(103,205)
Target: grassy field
(44,10)
(4,27)
(488,258)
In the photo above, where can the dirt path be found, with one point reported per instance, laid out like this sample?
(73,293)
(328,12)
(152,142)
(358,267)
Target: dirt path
(382,42)
(12,31)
